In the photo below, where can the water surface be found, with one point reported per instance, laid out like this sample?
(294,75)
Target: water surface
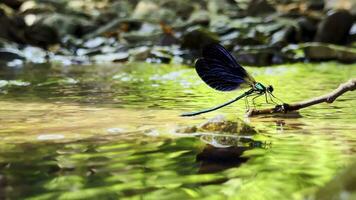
(108,132)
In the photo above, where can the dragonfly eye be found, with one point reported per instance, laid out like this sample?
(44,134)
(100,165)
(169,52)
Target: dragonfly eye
(270,88)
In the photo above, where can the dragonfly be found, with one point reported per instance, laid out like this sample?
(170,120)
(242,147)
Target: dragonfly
(220,70)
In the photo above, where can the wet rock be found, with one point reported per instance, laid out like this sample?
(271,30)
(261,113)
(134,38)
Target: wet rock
(219,6)
(139,53)
(254,57)
(11,27)
(315,4)
(253,37)
(168,39)
(307,28)
(148,34)
(117,25)
(66,24)
(198,37)
(120,9)
(259,7)
(187,129)
(33,7)
(34,54)
(319,51)
(7,55)
(343,186)
(221,124)
(145,10)
(287,35)
(160,56)
(111,57)
(335,27)
(15,4)
(352,38)
(41,35)
(183,9)
(152,12)
(200,17)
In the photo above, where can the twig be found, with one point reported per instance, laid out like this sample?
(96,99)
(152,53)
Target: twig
(328,98)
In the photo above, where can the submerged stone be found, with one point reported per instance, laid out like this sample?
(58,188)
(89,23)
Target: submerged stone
(220,124)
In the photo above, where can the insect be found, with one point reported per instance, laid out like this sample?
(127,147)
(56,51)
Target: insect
(220,70)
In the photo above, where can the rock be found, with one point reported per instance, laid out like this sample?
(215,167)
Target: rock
(200,17)
(335,27)
(319,51)
(343,4)
(15,4)
(254,57)
(315,4)
(7,55)
(34,54)
(139,53)
(145,9)
(352,33)
(198,37)
(41,35)
(111,57)
(150,11)
(66,24)
(343,186)
(289,34)
(33,7)
(11,27)
(218,6)
(182,8)
(161,56)
(252,38)
(168,40)
(221,124)
(307,28)
(259,7)
(187,129)
(118,25)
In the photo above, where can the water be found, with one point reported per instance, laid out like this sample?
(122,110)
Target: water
(108,132)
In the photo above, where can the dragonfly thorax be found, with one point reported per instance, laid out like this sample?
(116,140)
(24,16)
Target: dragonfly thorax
(259,87)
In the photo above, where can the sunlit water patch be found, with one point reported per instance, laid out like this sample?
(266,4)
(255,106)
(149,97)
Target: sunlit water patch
(108,132)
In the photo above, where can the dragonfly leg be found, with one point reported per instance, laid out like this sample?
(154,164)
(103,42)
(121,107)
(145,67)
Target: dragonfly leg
(247,105)
(266,98)
(253,100)
(270,97)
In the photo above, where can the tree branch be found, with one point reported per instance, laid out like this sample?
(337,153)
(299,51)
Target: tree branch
(328,98)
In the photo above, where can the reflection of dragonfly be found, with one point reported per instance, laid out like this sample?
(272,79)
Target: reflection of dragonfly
(219,69)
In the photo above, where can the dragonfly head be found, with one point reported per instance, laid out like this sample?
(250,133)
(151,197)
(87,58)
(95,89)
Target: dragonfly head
(270,89)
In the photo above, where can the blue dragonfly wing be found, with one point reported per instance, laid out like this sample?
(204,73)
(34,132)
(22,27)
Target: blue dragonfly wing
(218,75)
(220,70)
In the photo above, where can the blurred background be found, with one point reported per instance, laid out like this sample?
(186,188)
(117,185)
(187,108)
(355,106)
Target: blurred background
(258,32)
